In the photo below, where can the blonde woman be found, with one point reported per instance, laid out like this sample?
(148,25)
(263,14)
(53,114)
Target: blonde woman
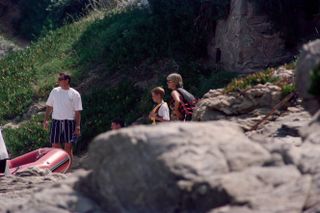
(182,102)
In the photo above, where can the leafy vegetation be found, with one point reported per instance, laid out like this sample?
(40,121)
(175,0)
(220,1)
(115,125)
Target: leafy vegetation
(283,12)
(40,16)
(252,80)
(315,82)
(22,71)
(113,45)
(262,77)
(28,137)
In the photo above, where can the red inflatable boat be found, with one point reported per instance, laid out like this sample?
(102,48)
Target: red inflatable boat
(56,160)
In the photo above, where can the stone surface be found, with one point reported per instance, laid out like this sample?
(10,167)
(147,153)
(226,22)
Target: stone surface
(246,40)
(246,107)
(181,167)
(309,59)
(158,169)
(50,193)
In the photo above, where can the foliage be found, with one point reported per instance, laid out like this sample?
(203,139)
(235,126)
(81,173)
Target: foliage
(252,80)
(290,16)
(315,82)
(121,39)
(43,15)
(188,23)
(119,42)
(288,89)
(104,105)
(20,71)
(28,137)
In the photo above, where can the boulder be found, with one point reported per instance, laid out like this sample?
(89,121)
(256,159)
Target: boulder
(44,193)
(181,167)
(246,106)
(309,59)
(168,168)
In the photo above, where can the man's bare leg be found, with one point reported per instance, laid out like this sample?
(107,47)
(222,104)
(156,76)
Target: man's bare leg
(69,149)
(56,145)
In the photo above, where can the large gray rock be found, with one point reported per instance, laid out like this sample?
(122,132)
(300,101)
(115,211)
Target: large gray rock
(182,167)
(309,60)
(44,193)
(168,168)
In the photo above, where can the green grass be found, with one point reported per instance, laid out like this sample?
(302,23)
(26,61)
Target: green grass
(116,44)
(28,137)
(26,73)
(262,77)
(252,80)
(315,82)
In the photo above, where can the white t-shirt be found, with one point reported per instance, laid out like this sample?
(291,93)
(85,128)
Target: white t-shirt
(65,103)
(164,111)
(3,149)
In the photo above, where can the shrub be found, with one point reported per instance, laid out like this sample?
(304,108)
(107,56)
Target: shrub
(28,137)
(43,15)
(315,82)
(252,80)
(295,19)
(103,105)
(288,89)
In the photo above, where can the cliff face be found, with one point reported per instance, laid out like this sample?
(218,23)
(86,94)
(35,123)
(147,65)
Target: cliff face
(246,41)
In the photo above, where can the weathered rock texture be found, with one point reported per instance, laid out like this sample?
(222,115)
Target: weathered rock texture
(185,167)
(245,107)
(309,60)
(44,193)
(246,41)
(169,168)
(201,167)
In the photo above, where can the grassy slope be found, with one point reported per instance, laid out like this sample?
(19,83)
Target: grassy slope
(117,44)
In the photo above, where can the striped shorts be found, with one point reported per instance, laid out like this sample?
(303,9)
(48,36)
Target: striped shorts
(61,131)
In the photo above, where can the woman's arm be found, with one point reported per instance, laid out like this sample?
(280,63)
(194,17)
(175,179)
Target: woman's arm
(177,100)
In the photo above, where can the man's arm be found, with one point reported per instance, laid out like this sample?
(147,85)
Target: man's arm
(46,117)
(78,123)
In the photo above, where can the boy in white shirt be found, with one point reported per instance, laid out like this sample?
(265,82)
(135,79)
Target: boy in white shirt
(161,112)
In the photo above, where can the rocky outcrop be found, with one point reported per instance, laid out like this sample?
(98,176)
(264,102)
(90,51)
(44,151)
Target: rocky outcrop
(38,191)
(168,168)
(246,41)
(186,167)
(309,60)
(246,107)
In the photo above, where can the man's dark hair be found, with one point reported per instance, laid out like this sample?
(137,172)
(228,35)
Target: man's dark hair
(118,121)
(65,76)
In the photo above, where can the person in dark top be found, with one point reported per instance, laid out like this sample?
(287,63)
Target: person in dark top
(182,102)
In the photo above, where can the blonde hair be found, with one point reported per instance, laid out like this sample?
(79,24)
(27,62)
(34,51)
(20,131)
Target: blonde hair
(158,91)
(176,78)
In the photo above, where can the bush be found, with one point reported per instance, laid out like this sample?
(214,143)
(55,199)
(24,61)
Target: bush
(315,82)
(28,137)
(101,106)
(252,80)
(43,15)
(22,71)
(293,18)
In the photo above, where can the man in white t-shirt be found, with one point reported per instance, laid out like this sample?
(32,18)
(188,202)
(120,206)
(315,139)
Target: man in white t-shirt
(161,112)
(65,105)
